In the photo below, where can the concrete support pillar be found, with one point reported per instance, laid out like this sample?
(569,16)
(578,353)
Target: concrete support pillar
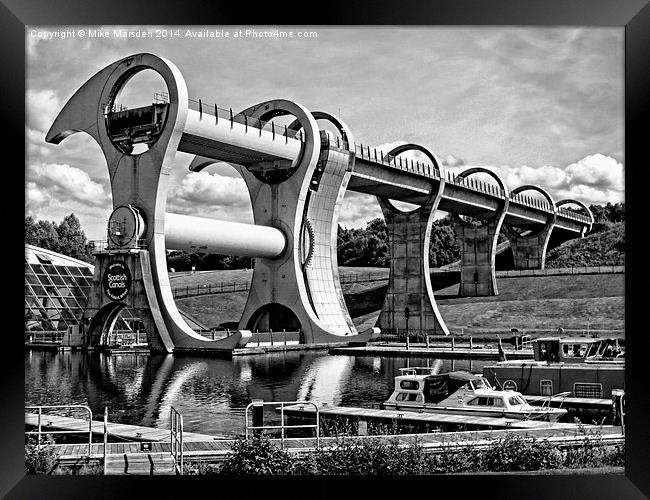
(478,245)
(477,252)
(529,248)
(102,310)
(409,283)
(529,251)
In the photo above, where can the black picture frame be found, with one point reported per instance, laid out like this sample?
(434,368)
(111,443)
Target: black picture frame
(634,15)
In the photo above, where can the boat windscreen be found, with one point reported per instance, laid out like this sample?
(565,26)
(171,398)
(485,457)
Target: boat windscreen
(438,388)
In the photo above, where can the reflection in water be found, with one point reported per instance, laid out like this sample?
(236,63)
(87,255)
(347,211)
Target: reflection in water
(212,393)
(324,380)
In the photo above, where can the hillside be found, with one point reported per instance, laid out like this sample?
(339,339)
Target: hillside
(605,247)
(540,302)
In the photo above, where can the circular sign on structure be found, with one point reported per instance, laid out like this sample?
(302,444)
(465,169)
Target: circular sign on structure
(117,280)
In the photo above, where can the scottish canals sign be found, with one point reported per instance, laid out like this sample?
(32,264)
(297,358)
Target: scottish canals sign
(117,280)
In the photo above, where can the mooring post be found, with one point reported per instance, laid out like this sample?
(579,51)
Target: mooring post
(471,343)
(258,416)
(426,339)
(271,332)
(105,431)
(453,343)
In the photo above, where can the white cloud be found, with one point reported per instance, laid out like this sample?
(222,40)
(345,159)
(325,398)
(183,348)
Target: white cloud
(452,161)
(595,179)
(36,198)
(61,183)
(358,209)
(42,108)
(590,195)
(547,177)
(203,188)
(598,171)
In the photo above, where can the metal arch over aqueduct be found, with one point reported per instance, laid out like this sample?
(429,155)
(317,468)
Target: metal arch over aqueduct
(297,176)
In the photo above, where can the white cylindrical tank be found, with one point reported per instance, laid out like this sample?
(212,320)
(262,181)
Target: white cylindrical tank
(199,234)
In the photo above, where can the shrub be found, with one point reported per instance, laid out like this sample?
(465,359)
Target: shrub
(40,461)
(591,454)
(256,456)
(370,456)
(374,456)
(86,469)
(200,468)
(516,453)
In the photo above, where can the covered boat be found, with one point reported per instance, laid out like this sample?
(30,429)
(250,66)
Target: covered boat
(461,393)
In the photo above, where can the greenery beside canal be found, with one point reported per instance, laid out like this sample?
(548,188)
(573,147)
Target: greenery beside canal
(600,248)
(43,460)
(374,456)
(513,453)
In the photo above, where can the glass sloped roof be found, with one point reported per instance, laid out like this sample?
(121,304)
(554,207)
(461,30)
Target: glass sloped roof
(56,291)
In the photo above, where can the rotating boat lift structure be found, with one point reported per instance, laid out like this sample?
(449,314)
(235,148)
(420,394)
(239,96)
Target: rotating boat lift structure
(296,176)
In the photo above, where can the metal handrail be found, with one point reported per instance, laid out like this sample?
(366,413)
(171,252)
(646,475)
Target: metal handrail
(282,425)
(176,438)
(244,286)
(39,432)
(51,336)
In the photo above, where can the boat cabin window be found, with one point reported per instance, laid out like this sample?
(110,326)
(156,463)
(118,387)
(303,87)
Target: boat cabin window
(409,396)
(593,350)
(609,349)
(516,401)
(437,388)
(545,387)
(549,351)
(486,401)
(412,385)
(574,350)
(480,383)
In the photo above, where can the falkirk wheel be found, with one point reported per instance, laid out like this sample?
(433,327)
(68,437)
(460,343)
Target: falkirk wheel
(296,176)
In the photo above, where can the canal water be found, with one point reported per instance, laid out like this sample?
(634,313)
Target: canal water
(212,393)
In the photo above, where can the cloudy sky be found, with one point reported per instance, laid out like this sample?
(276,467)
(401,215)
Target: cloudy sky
(536,105)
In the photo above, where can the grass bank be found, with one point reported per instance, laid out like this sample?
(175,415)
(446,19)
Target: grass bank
(542,302)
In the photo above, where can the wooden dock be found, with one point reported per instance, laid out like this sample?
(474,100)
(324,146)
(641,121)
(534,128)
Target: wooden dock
(401,416)
(140,464)
(218,450)
(121,431)
(149,449)
(421,351)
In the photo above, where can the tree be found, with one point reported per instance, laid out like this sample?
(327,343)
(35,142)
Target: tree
(72,239)
(41,234)
(67,238)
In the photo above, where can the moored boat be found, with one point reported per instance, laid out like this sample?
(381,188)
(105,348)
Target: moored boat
(582,368)
(461,393)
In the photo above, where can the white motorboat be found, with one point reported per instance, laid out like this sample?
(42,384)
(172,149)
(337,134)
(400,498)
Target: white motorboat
(462,393)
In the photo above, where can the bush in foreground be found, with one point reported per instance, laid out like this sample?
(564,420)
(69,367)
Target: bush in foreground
(259,456)
(40,460)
